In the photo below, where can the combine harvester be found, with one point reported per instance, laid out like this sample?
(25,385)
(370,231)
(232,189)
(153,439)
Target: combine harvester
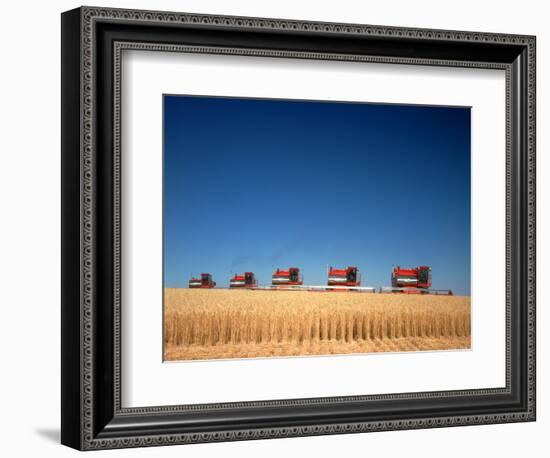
(287,279)
(343,277)
(405,281)
(347,279)
(248,280)
(205,282)
(413,281)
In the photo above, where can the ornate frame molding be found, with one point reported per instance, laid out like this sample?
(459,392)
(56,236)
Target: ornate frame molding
(89,433)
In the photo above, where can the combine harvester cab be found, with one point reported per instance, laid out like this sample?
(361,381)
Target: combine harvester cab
(416,280)
(290,278)
(248,280)
(204,282)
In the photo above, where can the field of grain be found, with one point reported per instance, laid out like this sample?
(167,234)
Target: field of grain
(214,324)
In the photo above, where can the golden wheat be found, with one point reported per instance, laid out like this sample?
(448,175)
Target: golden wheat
(205,324)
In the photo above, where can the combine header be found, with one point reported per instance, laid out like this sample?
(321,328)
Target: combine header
(204,282)
(287,278)
(413,281)
(248,280)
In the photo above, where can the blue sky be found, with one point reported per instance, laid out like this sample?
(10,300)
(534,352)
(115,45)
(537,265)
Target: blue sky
(255,184)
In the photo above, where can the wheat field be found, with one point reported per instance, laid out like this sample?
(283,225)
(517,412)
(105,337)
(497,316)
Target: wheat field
(215,324)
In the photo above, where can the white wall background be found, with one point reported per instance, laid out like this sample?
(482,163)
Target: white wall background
(30,226)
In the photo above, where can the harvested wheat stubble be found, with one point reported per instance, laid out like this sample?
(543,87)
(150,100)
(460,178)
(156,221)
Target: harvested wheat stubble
(214,324)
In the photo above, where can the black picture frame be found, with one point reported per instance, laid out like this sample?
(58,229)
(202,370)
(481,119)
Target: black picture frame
(92,416)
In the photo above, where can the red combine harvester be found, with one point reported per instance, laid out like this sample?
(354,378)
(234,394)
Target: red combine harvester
(248,280)
(290,277)
(416,280)
(204,282)
(344,277)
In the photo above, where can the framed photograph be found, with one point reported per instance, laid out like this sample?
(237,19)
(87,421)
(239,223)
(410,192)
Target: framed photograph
(276,228)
